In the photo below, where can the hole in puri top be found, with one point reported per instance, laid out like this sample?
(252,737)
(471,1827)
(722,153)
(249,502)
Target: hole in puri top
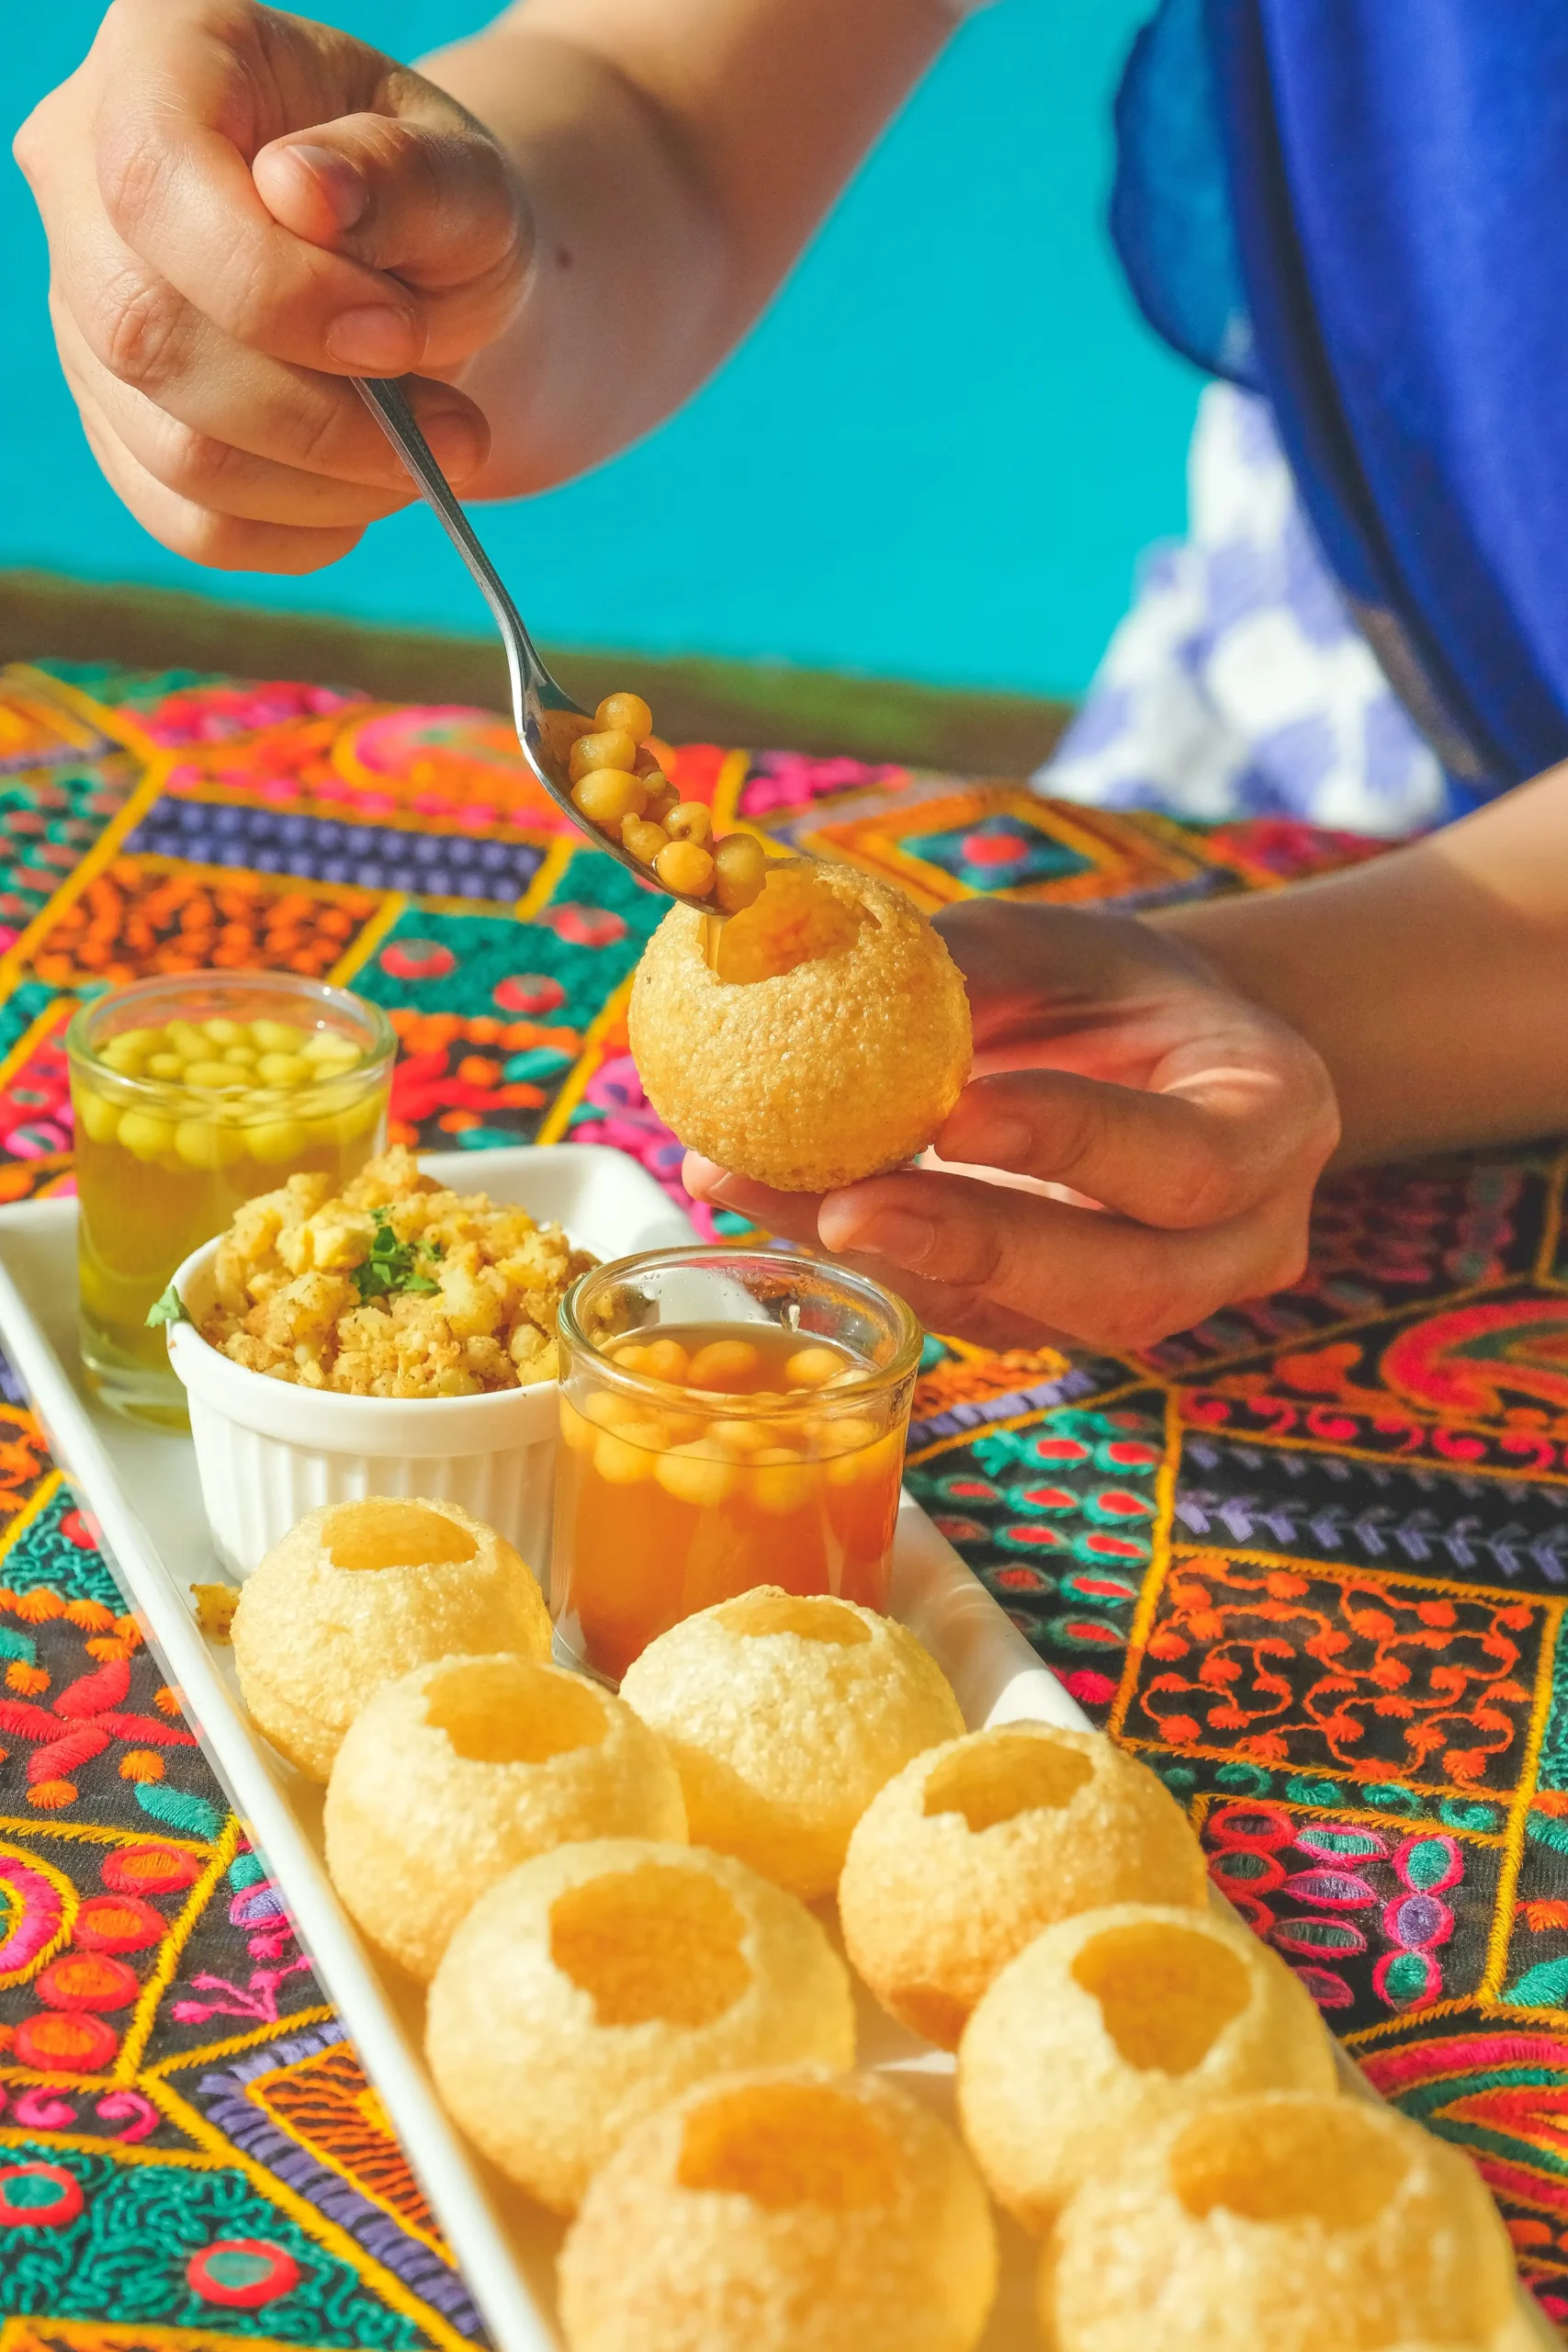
(1319,2161)
(1004,1774)
(786,1612)
(788,2144)
(1165,1993)
(506,1711)
(655,1945)
(794,921)
(394,1535)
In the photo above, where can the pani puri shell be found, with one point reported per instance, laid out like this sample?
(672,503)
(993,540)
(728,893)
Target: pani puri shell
(795,2212)
(829,1043)
(1517,2334)
(450,1777)
(1284,2222)
(784,1714)
(597,1982)
(358,1593)
(980,1845)
(1111,2026)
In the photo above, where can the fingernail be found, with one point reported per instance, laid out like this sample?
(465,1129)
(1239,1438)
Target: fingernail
(896,1234)
(338,181)
(376,341)
(704,1178)
(1002,1143)
(456,444)
(719,1192)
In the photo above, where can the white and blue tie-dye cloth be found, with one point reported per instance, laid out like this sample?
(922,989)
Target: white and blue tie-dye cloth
(1239,682)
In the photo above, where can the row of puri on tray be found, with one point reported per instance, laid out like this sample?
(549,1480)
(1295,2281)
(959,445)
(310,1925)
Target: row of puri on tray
(633,2011)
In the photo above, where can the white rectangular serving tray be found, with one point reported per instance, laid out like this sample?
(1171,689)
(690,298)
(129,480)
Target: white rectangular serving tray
(140,1487)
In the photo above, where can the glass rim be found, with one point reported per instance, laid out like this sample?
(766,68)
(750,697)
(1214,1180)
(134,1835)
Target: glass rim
(908,1331)
(81,1052)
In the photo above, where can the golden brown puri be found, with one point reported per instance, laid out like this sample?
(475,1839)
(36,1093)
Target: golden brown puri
(827,1040)
(357,1594)
(450,1777)
(783,2212)
(784,1714)
(595,1982)
(1282,2222)
(976,1846)
(1114,2023)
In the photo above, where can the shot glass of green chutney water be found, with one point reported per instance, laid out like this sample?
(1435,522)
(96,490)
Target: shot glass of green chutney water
(192,1094)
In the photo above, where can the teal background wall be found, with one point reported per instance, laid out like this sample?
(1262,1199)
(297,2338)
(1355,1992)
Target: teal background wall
(936,457)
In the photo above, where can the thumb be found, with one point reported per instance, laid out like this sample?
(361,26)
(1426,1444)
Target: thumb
(314,186)
(424,194)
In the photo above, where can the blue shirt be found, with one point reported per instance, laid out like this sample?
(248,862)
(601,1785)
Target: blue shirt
(1360,209)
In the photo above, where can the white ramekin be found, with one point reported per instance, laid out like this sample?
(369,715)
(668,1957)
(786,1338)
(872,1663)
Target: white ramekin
(267,1452)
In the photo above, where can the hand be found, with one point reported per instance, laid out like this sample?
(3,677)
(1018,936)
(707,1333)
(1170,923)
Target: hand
(1179,1128)
(243,209)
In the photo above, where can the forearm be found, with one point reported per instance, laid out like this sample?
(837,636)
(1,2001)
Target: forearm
(675,159)
(1433,981)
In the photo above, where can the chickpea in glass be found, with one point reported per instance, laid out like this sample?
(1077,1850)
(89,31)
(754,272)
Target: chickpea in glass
(191,1094)
(729,1419)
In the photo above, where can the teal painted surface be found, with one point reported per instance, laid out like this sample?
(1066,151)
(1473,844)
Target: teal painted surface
(936,457)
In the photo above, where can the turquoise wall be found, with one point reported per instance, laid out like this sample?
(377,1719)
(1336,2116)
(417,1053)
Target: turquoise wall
(936,457)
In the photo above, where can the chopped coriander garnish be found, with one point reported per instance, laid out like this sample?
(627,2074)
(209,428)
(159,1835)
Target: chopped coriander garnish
(392,1266)
(169,1308)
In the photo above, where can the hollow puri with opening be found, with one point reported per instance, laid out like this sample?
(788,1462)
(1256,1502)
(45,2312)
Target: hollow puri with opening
(1283,2221)
(317,1630)
(977,1846)
(1115,2023)
(822,1035)
(719,2223)
(598,1981)
(456,1773)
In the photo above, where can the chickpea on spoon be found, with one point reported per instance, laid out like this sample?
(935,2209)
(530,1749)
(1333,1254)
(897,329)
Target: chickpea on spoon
(603,770)
(620,782)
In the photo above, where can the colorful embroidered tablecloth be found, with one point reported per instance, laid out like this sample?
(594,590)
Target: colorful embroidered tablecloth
(1310,1560)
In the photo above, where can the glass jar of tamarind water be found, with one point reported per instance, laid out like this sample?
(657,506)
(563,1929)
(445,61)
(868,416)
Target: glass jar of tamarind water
(730,1419)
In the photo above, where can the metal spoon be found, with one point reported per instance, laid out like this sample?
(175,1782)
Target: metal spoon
(536,697)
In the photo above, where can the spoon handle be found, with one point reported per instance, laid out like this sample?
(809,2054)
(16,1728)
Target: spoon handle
(536,696)
(390,402)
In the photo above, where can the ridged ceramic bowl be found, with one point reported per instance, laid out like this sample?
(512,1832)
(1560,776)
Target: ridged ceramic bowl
(267,1452)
